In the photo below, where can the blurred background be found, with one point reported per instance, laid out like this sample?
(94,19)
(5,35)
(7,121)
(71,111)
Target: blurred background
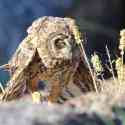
(100,20)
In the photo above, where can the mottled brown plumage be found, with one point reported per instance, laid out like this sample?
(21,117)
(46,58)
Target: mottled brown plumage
(49,52)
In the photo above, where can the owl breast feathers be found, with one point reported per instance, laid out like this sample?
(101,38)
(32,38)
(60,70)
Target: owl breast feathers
(49,53)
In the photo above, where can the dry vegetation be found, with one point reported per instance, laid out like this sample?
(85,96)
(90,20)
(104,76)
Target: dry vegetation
(111,91)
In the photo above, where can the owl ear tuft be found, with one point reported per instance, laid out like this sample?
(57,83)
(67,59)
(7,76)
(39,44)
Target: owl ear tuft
(36,25)
(74,29)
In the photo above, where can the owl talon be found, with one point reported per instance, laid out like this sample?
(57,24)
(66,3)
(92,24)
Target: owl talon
(36,97)
(39,97)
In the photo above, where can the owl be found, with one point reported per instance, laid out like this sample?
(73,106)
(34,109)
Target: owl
(50,53)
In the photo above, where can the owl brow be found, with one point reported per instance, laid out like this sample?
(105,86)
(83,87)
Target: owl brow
(57,35)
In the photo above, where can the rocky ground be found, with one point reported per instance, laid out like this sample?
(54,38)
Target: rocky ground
(26,113)
(106,108)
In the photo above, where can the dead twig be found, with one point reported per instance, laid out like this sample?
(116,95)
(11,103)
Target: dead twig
(109,58)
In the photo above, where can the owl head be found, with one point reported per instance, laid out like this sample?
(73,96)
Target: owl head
(56,38)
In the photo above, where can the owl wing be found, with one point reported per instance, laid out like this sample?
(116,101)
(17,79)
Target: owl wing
(18,65)
(16,86)
(23,56)
(27,49)
(83,78)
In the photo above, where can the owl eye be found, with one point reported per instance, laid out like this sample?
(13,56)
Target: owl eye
(60,43)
